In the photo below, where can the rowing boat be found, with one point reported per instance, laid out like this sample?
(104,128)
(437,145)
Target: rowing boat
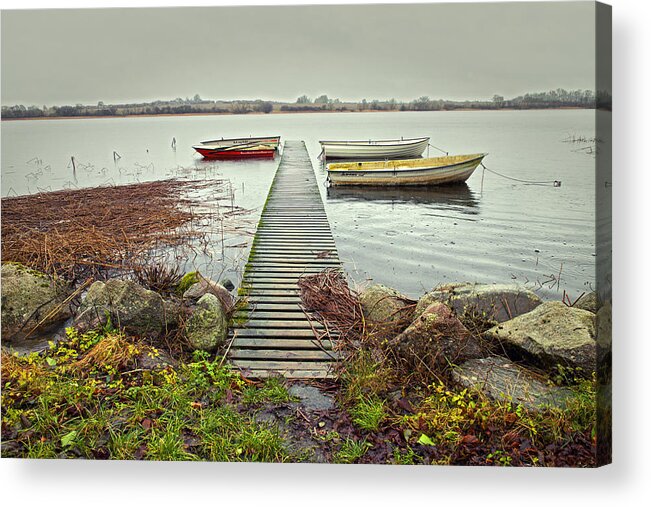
(423,171)
(237,141)
(236,152)
(387,148)
(240,147)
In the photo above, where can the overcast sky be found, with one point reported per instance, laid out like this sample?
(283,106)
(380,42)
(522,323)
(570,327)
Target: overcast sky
(454,51)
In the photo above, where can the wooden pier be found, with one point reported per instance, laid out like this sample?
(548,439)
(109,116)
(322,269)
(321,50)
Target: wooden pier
(293,238)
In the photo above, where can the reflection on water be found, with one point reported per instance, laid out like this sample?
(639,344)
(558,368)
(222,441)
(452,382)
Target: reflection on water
(458,196)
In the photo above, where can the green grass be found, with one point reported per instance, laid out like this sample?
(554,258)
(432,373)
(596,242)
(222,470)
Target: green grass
(351,451)
(111,409)
(368,413)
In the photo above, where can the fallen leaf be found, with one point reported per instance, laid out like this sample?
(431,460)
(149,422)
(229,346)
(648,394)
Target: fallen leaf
(68,438)
(470,440)
(425,440)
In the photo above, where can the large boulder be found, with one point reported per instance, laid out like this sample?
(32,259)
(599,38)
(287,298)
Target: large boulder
(30,298)
(503,380)
(384,306)
(589,302)
(206,286)
(207,327)
(552,334)
(435,340)
(496,303)
(130,307)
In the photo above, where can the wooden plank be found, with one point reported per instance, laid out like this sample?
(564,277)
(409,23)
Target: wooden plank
(294,374)
(299,261)
(285,315)
(272,283)
(274,307)
(278,333)
(284,354)
(254,323)
(281,343)
(270,276)
(283,365)
(274,299)
(325,261)
(262,272)
(293,246)
(289,279)
(255,292)
(307,254)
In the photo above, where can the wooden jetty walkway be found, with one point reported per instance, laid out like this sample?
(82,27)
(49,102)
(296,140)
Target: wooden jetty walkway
(293,238)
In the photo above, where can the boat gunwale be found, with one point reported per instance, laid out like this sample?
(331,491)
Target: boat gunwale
(478,156)
(259,138)
(367,142)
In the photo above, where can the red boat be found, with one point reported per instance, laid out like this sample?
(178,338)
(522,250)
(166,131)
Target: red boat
(243,147)
(258,151)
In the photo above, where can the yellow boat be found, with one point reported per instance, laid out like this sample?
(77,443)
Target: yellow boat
(418,171)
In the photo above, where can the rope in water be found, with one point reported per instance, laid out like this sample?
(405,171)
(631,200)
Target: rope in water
(555,183)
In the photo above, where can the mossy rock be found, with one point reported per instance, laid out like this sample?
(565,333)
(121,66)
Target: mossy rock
(503,380)
(128,305)
(589,302)
(490,302)
(188,280)
(30,297)
(436,340)
(384,306)
(207,327)
(552,334)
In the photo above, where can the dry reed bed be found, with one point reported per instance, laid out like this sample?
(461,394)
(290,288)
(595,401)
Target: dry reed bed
(76,234)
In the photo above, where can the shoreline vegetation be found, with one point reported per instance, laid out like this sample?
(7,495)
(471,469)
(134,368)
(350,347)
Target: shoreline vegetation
(554,99)
(466,375)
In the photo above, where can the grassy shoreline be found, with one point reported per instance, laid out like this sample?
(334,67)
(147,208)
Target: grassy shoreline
(94,397)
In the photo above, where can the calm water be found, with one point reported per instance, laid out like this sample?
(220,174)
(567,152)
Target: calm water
(410,239)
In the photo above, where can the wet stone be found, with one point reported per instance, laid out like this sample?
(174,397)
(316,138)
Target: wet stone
(311,398)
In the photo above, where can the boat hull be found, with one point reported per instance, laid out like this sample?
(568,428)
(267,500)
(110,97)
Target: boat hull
(405,176)
(222,154)
(371,149)
(273,142)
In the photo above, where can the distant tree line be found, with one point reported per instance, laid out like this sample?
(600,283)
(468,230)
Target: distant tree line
(540,100)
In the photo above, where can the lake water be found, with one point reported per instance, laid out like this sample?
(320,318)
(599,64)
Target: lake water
(492,229)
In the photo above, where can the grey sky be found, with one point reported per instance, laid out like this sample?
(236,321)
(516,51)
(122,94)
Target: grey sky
(453,51)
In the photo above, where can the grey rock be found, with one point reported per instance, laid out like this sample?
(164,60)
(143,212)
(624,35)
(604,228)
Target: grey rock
(130,307)
(437,339)
(207,327)
(227,284)
(503,380)
(206,286)
(552,334)
(383,305)
(492,302)
(158,361)
(30,297)
(311,397)
(589,302)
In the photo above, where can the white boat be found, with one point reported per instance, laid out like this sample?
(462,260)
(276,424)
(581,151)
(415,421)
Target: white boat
(387,148)
(423,171)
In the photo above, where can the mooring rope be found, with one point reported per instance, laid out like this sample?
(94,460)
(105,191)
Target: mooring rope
(442,151)
(555,183)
